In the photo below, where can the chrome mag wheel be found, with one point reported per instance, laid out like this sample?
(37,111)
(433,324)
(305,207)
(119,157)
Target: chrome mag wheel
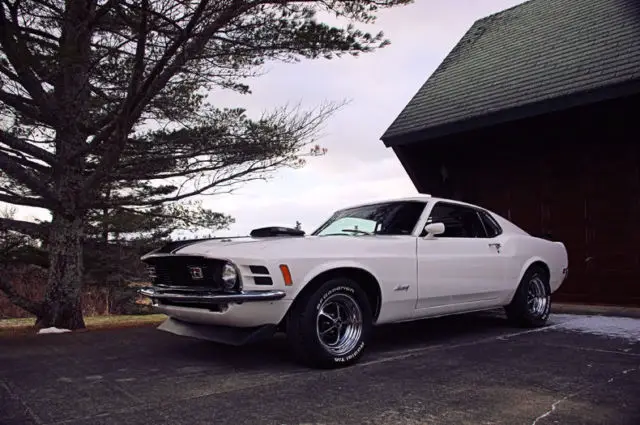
(339,324)
(537,298)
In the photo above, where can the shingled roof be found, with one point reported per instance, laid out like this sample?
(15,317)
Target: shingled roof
(536,57)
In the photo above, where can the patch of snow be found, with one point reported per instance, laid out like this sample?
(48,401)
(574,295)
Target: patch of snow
(53,330)
(612,327)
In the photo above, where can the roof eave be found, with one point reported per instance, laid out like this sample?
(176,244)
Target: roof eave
(525,111)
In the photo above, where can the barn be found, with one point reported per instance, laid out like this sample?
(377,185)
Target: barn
(535,114)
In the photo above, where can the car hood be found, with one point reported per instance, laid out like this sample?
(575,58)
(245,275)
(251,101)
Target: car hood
(271,246)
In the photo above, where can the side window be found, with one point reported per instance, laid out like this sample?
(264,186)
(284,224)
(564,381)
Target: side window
(459,221)
(404,219)
(490,224)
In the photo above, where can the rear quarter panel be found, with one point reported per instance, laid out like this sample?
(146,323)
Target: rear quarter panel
(524,250)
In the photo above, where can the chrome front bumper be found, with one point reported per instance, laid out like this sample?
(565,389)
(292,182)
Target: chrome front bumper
(202,296)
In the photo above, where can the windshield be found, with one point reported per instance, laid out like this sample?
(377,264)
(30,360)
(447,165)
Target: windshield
(389,218)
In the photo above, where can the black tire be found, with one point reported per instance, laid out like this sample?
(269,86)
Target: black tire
(304,324)
(522,310)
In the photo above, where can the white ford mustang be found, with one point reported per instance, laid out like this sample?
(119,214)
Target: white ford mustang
(384,262)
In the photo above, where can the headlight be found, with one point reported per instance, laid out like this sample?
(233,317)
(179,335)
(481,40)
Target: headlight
(229,276)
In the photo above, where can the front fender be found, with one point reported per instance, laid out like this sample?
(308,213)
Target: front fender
(331,265)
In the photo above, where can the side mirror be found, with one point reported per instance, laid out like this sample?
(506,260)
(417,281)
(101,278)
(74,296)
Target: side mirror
(433,229)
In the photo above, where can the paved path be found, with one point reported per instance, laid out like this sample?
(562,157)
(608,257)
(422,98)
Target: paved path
(472,369)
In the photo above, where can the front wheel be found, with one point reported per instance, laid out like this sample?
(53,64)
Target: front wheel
(331,326)
(531,305)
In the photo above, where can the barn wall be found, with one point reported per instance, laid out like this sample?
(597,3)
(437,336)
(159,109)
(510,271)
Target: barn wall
(575,175)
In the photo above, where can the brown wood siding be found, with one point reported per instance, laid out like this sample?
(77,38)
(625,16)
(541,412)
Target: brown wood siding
(576,176)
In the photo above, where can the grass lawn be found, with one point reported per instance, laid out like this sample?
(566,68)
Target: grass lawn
(12,327)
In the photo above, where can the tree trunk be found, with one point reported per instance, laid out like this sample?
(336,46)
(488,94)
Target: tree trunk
(62,306)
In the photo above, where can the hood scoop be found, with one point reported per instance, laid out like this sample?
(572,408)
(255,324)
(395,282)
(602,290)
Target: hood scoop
(272,231)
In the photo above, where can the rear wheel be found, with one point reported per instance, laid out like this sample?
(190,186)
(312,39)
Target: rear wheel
(531,305)
(330,326)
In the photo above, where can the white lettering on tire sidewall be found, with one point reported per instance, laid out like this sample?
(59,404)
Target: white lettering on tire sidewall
(355,353)
(333,291)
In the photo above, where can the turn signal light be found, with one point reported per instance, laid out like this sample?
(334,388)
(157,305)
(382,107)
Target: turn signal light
(286,274)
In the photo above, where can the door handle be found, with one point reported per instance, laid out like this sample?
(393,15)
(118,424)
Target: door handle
(496,244)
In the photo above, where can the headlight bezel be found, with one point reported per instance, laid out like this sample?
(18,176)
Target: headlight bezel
(234,283)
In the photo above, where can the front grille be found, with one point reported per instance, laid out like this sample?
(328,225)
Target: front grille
(262,280)
(185,270)
(259,270)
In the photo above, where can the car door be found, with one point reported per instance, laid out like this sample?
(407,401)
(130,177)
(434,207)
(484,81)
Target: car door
(461,269)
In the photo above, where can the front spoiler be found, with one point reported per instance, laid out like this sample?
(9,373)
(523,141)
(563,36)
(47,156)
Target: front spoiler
(221,334)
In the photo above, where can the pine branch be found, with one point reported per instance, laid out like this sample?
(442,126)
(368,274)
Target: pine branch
(28,178)
(23,200)
(35,230)
(21,59)
(26,147)
(17,299)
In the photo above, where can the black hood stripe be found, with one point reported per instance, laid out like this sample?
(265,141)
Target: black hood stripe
(173,247)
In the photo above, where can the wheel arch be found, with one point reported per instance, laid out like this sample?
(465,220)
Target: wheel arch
(536,262)
(363,277)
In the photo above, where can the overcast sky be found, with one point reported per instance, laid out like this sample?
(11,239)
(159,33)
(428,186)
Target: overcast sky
(357,167)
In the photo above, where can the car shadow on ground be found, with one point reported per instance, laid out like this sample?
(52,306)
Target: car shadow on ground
(386,339)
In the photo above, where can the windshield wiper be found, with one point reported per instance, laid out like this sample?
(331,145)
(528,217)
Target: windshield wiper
(364,232)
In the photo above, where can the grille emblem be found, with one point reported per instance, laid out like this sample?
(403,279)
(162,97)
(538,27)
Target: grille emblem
(196,273)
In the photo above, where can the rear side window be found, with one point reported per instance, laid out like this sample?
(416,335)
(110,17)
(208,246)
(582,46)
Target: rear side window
(490,224)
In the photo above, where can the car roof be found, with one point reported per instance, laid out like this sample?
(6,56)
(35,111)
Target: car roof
(506,224)
(419,197)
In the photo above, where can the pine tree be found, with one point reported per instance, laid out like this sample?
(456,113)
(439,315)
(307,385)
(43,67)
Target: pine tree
(103,106)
